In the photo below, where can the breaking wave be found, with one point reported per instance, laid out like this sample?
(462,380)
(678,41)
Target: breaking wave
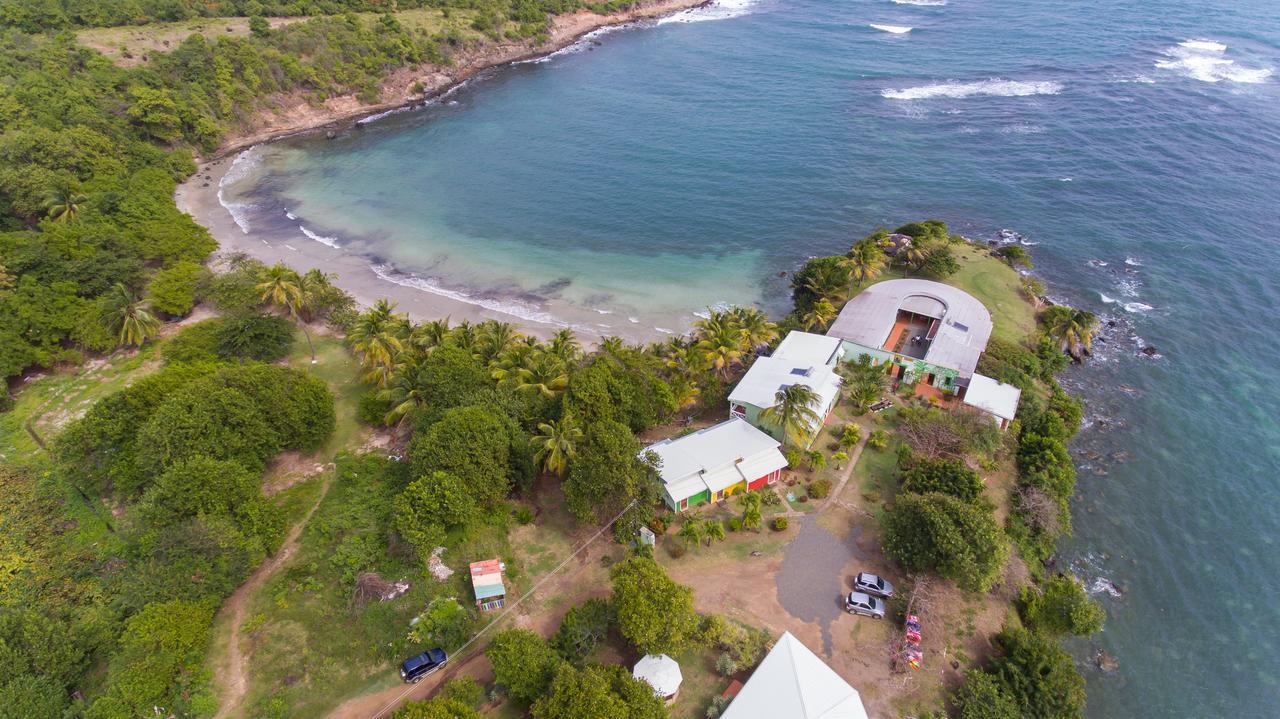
(926,3)
(895,29)
(718,10)
(390,274)
(241,167)
(1206,61)
(994,87)
(330,241)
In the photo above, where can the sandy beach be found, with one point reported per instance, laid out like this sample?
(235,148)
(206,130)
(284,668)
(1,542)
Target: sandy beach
(199,195)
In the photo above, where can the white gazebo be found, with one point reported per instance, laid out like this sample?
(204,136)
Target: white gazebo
(662,673)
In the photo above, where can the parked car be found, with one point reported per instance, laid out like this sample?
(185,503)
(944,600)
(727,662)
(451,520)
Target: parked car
(425,664)
(873,584)
(864,604)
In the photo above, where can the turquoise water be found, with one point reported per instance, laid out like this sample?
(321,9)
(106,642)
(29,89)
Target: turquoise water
(1137,144)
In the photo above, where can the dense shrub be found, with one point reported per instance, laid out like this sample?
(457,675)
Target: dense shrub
(780,524)
(1038,675)
(474,445)
(948,476)
(174,290)
(254,336)
(1061,606)
(982,696)
(819,488)
(582,630)
(936,532)
(523,663)
(655,614)
(194,343)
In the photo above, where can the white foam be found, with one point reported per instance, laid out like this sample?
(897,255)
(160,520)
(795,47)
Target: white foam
(290,215)
(389,273)
(1206,61)
(1137,307)
(1132,261)
(634,320)
(718,10)
(1066,179)
(665,331)
(1107,300)
(330,241)
(603,312)
(895,29)
(995,87)
(295,249)
(241,167)
(925,3)
(582,44)
(385,113)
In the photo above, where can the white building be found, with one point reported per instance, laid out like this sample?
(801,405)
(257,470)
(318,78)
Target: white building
(793,683)
(713,463)
(996,398)
(801,358)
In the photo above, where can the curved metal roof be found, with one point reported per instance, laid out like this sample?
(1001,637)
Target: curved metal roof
(962,334)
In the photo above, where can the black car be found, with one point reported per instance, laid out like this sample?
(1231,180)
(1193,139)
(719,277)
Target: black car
(426,663)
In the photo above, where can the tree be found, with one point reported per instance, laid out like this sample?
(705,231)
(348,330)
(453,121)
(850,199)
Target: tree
(1071,329)
(655,614)
(473,444)
(607,474)
(282,287)
(940,263)
(63,204)
(26,696)
(429,505)
(720,345)
(378,335)
(1061,606)
(936,532)
(1044,462)
(406,393)
(982,696)
(523,663)
(793,413)
(864,262)
(582,630)
(597,692)
(173,289)
(713,530)
(437,708)
(1040,676)
(947,476)
(756,328)
(556,444)
(128,318)
(253,336)
(819,316)
(1015,255)
(691,531)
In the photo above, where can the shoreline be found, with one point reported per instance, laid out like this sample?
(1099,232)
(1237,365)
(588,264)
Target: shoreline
(199,196)
(301,117)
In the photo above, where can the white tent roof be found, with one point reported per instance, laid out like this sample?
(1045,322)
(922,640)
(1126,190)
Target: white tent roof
(992,397)
(793,682)
(770,374)
(661,672)
(807,347)
(962,334)
(716,457)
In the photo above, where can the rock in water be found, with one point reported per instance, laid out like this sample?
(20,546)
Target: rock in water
(1150,351)
(1105,661)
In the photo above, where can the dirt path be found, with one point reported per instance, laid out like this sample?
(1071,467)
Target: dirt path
(231,674)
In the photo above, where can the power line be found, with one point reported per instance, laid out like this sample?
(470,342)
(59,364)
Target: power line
(537,585)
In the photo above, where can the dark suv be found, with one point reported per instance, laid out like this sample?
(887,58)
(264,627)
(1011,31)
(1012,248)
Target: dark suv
(426,663)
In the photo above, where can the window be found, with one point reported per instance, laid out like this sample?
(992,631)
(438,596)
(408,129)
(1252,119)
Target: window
(684,504)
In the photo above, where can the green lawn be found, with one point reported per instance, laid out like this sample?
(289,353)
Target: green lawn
(991,281)
(340,370)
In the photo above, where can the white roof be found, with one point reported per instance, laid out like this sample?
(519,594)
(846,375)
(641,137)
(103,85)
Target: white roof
(716,457)
(808,347)
(992,397)
(793,682)
(661,672)
(962,335)
(767,375)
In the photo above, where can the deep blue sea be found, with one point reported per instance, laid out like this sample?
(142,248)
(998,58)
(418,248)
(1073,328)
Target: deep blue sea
(1133,145)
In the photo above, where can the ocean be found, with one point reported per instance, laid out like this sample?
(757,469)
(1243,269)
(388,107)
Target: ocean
(646,173)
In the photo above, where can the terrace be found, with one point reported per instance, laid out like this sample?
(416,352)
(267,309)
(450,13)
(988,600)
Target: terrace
(911,335)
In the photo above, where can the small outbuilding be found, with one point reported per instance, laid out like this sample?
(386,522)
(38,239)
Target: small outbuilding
(996,398)
(660,672)
(486,580)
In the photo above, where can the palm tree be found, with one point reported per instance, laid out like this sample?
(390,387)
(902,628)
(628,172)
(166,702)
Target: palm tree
(864,262)
(794,414)
(507,367)
(721,347)
(713,529)
(612,346)
(429,335)
(1071,328)
(546,376)
(128,317)
(492,337)
(311,287)
(566,346)
(556,444)
(756,327)
(378,335)
(864,380)
(821,314)
(691,532)
(63,204)
(828,283)
(914,255)
(282,287)
(406,392)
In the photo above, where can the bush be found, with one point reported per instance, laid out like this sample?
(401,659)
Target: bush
(1038,675)
(937,532)
(878,440)
(676,548)
(850,435)
(819,488)
(252,336)
(735,524)
(982,696)
(582,630)
(445,623)
(372,410)
(725,665)
(779,524)
(658,525)
(194,343)
(174,290)
(523,515)
(1062,607)
(655,614)
(948,476)
(523,663)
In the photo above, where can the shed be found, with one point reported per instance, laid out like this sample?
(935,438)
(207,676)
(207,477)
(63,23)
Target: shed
(660,672)
(996,398)
(486,580)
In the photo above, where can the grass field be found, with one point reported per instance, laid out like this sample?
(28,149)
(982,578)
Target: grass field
(132,45)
